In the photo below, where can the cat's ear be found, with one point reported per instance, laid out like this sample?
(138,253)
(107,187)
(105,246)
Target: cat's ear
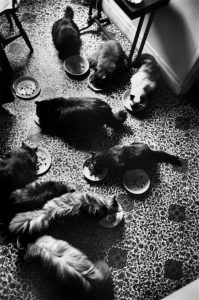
(24,145)
(114,202)
(37,102)
(92,153)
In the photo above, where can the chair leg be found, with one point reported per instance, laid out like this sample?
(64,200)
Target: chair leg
(22,31)
(4,62)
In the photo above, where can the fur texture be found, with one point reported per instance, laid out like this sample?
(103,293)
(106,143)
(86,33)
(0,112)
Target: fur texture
(71,116)
(37,222)
(108,63)
(127,157)
(145,80)
(36,194)
(17,169)
(68,265)
(66,35)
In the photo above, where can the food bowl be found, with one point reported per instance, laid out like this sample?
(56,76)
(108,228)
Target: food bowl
(127,102)
(136,181)
(76,65)
(93,177)
(43,161)
(92,86)
(113,220)
(26,87)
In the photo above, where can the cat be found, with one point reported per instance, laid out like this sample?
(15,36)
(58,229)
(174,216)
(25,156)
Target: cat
(17,169)
(69,268)
(127,157)
(145,80)
(36,194)
(62,117)
(37,222)
(66,35)
(108,63)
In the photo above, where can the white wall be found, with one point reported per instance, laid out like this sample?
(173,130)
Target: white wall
(173,38)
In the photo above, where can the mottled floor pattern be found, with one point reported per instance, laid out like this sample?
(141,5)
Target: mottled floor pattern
(155,250)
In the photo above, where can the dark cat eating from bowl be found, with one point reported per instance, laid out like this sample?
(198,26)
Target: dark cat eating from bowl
(66,35)
(127,157)
(62,117)
(108,63)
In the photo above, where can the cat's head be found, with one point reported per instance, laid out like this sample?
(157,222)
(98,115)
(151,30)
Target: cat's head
(103,75)
(100,207)
(24,152)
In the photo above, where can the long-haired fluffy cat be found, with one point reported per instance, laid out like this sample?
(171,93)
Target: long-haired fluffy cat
(127,157)
(36,194)
(69,268)
(17,169)
(145,80)
(71,116)
(66,35)
(108,63)
(37,222)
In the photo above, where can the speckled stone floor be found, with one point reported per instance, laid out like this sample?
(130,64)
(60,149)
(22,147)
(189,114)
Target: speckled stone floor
(155,249)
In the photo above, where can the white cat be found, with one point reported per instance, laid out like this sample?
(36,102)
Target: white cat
(145,80)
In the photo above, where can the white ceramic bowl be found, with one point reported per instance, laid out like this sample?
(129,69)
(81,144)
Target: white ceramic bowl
(136,181)
(43,161)
(98,177)
(76,65)
(127,102)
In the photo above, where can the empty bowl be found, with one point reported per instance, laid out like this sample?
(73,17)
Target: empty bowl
(76,65)
(136,181)
(128,103)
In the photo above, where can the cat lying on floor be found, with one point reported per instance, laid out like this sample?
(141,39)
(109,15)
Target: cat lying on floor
(72,116)
(108,63)
(36,194)
(17,169)
(66,206)
(127,157)
(145,80)
(70,269)
(66,35)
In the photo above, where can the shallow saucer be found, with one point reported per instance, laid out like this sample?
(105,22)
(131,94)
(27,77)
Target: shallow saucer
(43,160)
(26,87)
(136,181)
(98,177)
(108,223)
(76,65)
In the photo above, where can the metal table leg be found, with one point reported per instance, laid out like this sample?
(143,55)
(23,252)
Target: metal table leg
(135,39)
(148,26)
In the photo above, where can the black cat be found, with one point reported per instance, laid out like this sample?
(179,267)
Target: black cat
(66,35)
(70,116)
(127,157)
(36,194)
(17,169)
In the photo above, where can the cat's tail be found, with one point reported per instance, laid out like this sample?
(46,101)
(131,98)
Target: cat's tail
(30,223)
(69,13)
(68,263)
(161,156)
(117,118)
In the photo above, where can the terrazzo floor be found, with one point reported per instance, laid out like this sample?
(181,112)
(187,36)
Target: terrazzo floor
(154,251)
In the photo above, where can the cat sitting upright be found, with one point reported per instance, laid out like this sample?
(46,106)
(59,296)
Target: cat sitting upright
(17,169)
(66,35)
(145,80)
(108,63)
(62,117)
(127,157)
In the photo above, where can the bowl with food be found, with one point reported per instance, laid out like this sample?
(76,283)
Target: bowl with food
(43,160)
(136,181)
(131,105)
(76,65)
(113,220)
(92,172)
